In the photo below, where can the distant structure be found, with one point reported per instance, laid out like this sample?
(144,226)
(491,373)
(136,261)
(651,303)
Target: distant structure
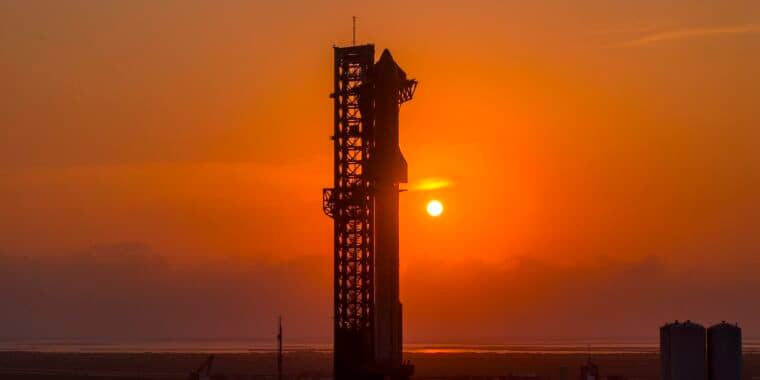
(724,352)
(682,351)
(563,373)
(590,371)
(204,371)
(368,168)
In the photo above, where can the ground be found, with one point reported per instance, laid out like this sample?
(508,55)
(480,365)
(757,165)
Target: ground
(168,366)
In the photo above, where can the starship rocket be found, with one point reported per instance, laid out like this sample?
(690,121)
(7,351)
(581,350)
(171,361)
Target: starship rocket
(388,169)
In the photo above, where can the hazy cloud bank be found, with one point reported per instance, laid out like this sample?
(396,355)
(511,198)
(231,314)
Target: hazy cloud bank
(126,291)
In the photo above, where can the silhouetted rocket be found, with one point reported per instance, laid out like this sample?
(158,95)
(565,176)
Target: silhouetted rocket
(388,169)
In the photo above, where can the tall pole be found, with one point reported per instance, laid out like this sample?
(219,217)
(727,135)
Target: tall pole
(353,39)
(279,348)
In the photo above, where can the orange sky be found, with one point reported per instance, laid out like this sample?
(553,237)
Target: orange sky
(601,160)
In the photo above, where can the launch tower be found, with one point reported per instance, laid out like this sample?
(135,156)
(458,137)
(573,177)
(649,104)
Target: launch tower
(368,168)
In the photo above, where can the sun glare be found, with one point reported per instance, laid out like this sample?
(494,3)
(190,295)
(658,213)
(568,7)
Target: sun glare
(435,207)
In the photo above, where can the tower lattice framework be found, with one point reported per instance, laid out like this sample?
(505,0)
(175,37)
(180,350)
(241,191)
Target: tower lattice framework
(350,204)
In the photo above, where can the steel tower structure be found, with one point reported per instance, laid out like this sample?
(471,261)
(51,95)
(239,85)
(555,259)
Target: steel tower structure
(350,205)
(368,166)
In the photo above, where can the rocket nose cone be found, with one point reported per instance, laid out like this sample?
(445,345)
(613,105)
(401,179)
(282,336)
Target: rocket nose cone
(386,59)
(387,65)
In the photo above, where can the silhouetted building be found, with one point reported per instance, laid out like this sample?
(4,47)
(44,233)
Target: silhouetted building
(724,352)
(682,351)
(590,371)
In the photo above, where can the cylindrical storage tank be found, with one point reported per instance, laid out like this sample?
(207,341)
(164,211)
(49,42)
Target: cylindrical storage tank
(684,351)
(665,351)
(724,352)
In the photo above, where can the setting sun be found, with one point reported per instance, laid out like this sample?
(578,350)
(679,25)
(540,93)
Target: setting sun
(435,207)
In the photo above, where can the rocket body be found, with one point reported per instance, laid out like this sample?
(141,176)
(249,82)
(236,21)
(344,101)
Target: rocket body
(388,169)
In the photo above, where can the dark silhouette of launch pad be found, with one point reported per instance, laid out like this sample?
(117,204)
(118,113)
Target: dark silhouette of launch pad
(364,203)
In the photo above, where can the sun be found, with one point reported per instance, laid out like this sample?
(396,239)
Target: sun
(435,208)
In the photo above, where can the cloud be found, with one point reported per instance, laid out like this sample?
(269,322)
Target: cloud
(428,184)
(128,291)
(528,299)
(685,33)
(626,30)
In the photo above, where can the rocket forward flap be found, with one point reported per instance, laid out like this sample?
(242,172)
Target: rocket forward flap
(400,170)
(378,169)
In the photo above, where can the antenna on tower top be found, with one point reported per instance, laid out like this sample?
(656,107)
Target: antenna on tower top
(353,40)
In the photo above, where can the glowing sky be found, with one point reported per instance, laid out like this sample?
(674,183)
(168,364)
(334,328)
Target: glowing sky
(161,166)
